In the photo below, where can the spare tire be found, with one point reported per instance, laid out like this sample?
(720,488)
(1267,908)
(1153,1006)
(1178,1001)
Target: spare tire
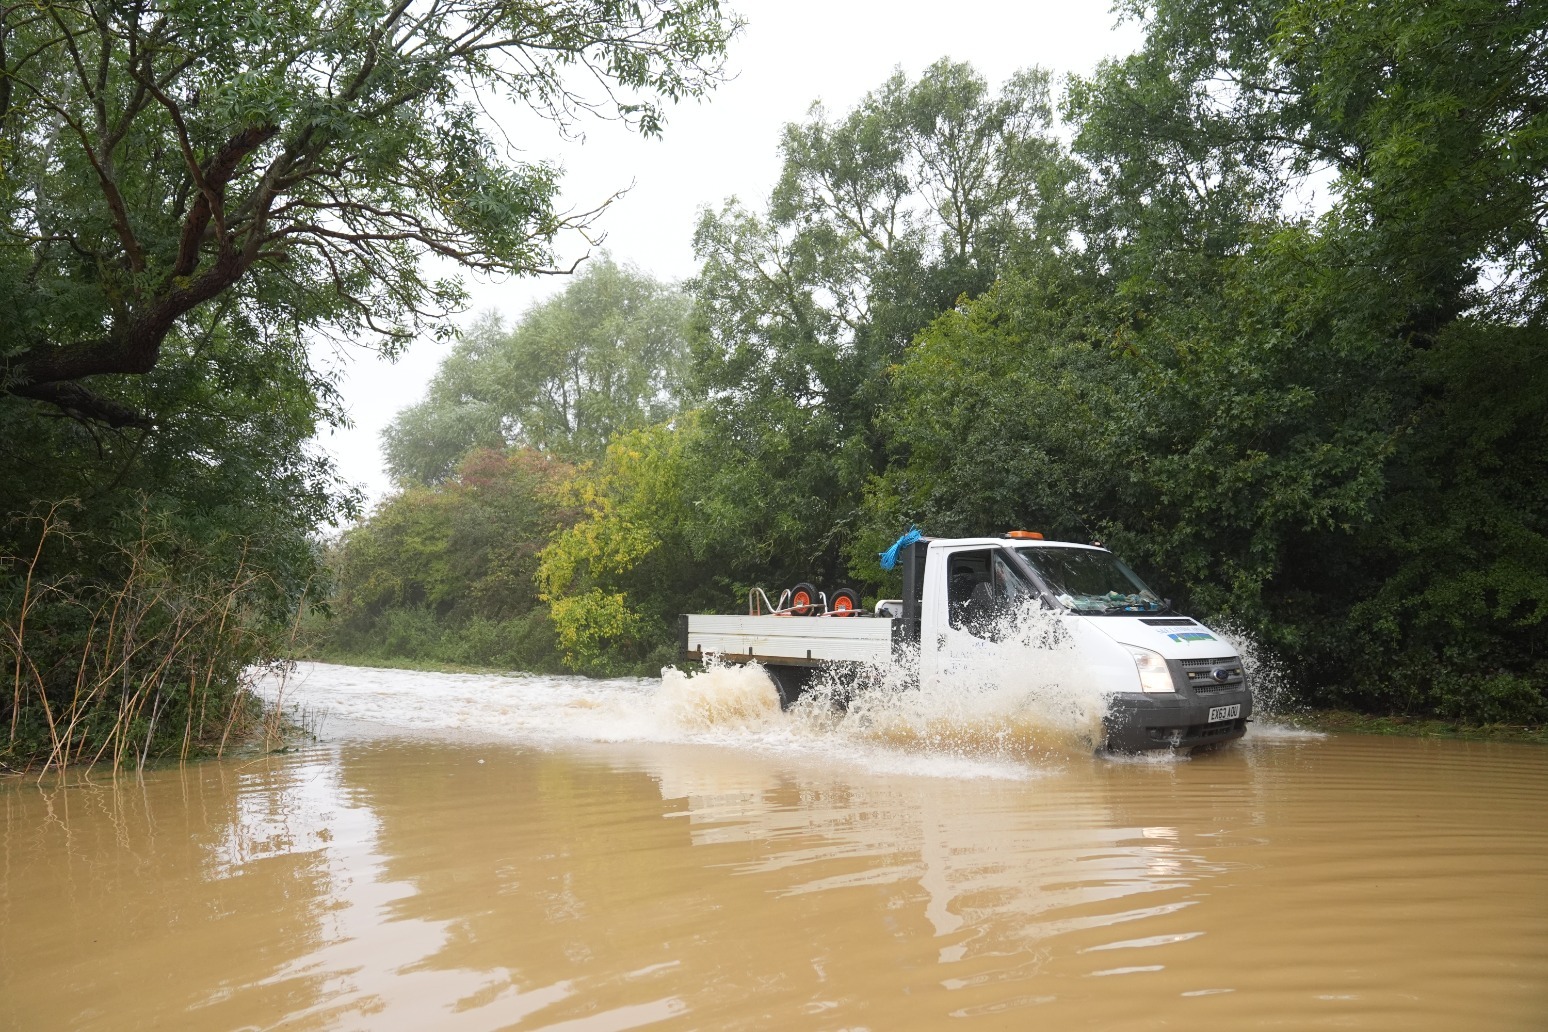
(803,599)
(845,602)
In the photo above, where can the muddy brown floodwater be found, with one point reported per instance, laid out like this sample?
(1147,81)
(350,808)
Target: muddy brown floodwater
(448,858)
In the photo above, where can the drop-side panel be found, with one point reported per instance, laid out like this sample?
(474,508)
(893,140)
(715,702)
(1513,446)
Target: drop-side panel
(792,639)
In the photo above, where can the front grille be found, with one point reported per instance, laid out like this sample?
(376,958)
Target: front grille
(1199,674)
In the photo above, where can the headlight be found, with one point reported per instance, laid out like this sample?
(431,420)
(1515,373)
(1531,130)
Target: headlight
(1153,674)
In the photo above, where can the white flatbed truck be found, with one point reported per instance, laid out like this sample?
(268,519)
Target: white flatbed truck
(1171,682)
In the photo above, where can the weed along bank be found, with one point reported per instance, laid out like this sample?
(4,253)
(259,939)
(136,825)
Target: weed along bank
(1018,612)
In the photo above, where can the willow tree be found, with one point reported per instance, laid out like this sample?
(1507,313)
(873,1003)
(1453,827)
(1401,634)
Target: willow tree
(298,159)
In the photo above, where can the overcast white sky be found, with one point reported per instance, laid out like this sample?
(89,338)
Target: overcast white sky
(792,53)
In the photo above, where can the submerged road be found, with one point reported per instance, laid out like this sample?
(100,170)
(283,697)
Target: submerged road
(464,852)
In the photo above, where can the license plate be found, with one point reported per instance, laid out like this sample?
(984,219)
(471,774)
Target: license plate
(1224,713)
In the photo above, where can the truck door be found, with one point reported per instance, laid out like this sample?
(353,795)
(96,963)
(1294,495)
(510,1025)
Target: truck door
(971,596)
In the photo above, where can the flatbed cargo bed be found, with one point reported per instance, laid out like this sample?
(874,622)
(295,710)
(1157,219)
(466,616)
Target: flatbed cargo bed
(790,641)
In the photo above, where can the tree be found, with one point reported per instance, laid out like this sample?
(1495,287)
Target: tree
(608,354)
(639,554)
(293,160)
(881,220)
(1429,120)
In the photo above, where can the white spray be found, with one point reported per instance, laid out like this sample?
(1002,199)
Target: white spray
(1271,693)
(1015,691)
(724,696)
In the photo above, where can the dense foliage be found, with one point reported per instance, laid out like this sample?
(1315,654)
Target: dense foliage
(639,555)
(194,195)
(447,575)
(1272,326)
(151,567)
(487,474)
(881,220)
(1329,428)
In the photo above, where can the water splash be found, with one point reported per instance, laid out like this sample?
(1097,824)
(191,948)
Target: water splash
(724,696)
(1274,702)
(1014,691)
(882,729)
(1266,677)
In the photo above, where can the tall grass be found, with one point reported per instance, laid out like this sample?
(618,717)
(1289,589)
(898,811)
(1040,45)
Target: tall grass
(124,651)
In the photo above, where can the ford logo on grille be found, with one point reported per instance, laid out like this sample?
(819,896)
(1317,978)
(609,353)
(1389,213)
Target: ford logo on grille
(1221,674)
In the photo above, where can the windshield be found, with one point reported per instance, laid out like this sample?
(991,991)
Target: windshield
(1092,582)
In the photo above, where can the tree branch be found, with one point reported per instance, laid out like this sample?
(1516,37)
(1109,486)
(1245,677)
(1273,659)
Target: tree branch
(79,403)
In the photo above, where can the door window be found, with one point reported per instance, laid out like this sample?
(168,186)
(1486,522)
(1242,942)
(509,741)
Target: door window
(983,590)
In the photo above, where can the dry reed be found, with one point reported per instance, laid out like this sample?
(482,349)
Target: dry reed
(98,668)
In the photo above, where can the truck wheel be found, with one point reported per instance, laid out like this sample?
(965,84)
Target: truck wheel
(789,682)
(803,599)
(844,603)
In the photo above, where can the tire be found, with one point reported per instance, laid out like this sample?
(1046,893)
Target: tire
(789,682)
(803,599)
(845,602)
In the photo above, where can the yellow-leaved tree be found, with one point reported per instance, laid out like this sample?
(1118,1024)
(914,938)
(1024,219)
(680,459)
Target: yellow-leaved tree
(614,580)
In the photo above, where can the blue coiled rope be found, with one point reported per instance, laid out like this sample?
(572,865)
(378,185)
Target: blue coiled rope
(889,558)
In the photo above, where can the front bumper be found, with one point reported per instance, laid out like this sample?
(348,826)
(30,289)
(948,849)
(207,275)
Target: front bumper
(1138,722)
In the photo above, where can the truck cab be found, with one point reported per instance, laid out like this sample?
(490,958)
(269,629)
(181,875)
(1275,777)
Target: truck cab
(1172,682)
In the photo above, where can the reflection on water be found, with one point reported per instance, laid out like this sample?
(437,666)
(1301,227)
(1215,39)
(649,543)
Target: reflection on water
(435,882)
